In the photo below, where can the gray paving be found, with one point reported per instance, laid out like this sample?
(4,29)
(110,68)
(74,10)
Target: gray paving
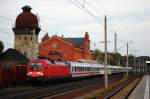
(147,92)
(142,89)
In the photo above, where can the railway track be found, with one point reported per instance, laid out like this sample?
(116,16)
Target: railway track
(123,91)
(50,90)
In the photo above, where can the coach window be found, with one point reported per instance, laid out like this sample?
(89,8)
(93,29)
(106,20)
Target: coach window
(46,67)
(96,69)
(79,68)
(75,68)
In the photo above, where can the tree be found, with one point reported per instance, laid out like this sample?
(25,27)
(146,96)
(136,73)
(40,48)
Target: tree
(98,55)
(116,58)
(1,47)
(131,60)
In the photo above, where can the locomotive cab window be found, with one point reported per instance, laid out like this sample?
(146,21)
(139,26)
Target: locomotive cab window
(46,67)
(36,66)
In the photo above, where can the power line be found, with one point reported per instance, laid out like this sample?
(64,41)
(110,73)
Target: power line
(77,4)
(111,19)
(94,8)
(86,10)
(6,18)
(4,29)
(101,4)
(5,33)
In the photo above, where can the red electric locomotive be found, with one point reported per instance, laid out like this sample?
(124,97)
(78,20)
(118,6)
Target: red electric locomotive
(44,69)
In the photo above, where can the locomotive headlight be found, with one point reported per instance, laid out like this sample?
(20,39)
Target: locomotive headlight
(29,73)
(40,73)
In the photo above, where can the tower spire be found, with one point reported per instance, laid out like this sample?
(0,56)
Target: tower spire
(26,8)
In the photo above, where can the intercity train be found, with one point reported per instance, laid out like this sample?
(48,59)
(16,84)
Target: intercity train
(43,69)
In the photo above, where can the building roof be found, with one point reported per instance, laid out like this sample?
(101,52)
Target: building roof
(13,55)
(26,19)
(76,41)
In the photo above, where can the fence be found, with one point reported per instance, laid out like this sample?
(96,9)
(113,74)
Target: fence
(9,74)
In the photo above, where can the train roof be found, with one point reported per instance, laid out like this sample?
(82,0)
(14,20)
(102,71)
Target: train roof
(85,64)
(90,63)
(111,66)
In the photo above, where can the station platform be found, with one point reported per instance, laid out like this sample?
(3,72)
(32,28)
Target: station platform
(142,90)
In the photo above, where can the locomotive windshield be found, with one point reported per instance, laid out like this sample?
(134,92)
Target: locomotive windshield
(37,66)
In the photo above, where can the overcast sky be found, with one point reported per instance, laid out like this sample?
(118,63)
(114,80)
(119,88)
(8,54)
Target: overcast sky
(130,18)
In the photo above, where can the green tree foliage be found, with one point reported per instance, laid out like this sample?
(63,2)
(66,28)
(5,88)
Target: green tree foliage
(113,58)
(98,55)
(116,59)
(1,47)
(131,60)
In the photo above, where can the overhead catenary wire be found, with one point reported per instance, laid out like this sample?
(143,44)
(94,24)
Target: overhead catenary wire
(111,18)
(100,12)
(77,4)
(6,33)
(101,4)
(124,38)
(111,23)
(6,18)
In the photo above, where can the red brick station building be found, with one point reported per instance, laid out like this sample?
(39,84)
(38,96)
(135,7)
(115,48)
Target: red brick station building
(26,32)
(70,48)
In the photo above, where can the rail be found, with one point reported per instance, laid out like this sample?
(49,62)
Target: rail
(118,89)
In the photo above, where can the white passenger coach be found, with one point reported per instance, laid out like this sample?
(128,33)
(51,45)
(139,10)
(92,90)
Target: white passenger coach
(89,68)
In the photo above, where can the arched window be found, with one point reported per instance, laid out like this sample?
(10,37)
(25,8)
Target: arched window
(24,53)
(25,38)
(19,37)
